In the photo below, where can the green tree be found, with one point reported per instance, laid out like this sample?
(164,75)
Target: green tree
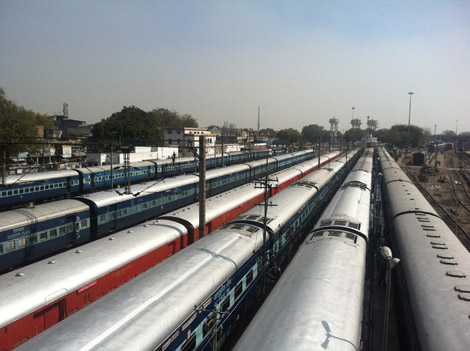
(354,134)
(311,133)
(399,135)
(289,135)
(19,127)
(135,126)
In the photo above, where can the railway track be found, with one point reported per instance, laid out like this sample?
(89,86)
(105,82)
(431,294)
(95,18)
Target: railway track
(448,218)
(454,190)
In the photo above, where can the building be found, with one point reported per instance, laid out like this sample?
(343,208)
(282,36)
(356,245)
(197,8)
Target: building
(187,139)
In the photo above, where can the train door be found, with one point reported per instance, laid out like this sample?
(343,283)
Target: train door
(49,316)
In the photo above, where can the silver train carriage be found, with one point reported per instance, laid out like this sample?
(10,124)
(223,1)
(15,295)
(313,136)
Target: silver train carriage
(176,304)
(317,302)
(52,289)
(434,272)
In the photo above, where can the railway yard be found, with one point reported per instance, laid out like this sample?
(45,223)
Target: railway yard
(312,271)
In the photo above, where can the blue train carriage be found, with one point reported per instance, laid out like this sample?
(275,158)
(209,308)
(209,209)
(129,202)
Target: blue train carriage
(33,232)
(38,186)
(95,178)
(111,210)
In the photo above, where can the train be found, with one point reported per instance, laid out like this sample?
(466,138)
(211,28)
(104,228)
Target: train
(101,266)
(191,300)
(38,187)
(29,233)
(432,278)
(317,302)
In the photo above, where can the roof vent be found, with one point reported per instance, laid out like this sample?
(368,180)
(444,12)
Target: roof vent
(51,262)
(78,251)
(111,238)
(19,274)
(456,274)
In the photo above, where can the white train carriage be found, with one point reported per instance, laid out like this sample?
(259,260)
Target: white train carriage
(317,303)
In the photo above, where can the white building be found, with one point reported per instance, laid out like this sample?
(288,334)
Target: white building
(141,153)
(187,138)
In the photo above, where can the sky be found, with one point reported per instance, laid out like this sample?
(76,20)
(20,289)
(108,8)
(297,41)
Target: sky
(301,62)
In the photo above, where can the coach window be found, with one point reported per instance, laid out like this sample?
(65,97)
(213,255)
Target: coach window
(33,239)
(10,245)
(102,219)
(43,236)
(249,278)
(10,193)
(238,290)
(83,224)
(21,242)
(53,233)
(1,248)
(225,304)
(190,344)
(61,230)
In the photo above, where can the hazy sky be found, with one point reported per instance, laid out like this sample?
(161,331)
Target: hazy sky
(302,62)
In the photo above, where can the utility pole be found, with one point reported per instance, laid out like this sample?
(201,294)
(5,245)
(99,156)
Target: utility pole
(202,186)
(111,171)
(409,125)
(4,165)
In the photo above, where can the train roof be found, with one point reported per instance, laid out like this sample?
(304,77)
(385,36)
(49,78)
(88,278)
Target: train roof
(34,177)
(437,270)
(42,281)
(306,305)
(26,215)
(405,197)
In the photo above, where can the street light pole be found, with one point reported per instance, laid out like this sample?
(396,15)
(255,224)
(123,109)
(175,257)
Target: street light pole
(409,125)
(391,262)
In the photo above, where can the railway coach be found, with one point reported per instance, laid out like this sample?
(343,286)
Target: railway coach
(176,304)
(434,271)
(41,294)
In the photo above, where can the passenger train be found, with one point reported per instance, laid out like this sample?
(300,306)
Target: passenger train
(433,276)
(317,302)
(36,187)
(41,294)
(191,300)
(30,233)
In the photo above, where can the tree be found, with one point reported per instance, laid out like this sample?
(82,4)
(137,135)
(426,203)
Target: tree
(134,126)
(289,135)
(311,133)
(19,127)
(399,135)
(354,134)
